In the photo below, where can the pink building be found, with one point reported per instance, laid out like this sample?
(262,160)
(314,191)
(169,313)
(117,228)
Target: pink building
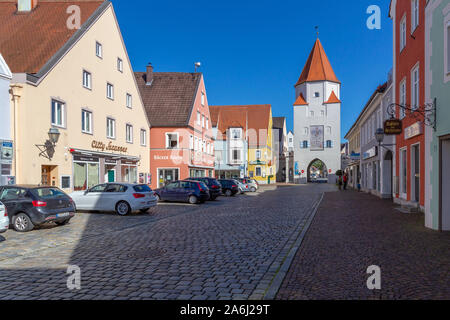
(181,143)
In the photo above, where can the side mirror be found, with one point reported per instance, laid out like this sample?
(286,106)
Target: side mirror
(86,192)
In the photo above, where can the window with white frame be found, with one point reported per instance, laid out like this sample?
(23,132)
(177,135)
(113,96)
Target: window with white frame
(203,121)
(129,133)
(171,140)
(99,49)
(236,133)
(87,80)
(109,91)
(403,33)
(258,154)
(86,121)
(402,98)
(414,15)
(196,143)
(258,171)
(208,148)
(235,155)
(129,99)
(415,88)
(403,171)
(58,113)
(110,128)
(191,142)
(143,137)
(203,99)
(207,123)
(119,65)
(199,118)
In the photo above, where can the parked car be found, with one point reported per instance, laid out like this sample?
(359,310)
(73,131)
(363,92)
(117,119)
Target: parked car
(4,219)
(184,191)
(123,198)
(252,184)
(215,189)
(229,187)
(30,206)
(243,187)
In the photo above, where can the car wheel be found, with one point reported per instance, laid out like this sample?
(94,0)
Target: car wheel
(22,223)
(253,189)
(123,208)
(62,223)
(158,198)
(228,193)
(193,200)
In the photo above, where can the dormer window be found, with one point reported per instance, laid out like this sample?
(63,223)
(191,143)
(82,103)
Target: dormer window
(316,94)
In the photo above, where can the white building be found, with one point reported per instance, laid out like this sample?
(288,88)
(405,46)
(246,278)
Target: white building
(6,147)
(317,117)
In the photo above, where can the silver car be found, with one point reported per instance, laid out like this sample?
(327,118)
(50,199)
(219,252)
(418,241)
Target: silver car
(243,187)
(4,220)
(123,198)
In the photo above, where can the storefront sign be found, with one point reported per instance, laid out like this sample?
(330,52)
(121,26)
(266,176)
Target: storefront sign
(108,147)
(110,161)
(372,152)
(7,150)
(393,126)
(413,130)
(128,162)
(316,138)
(85,159)
(355,156)
(171,157)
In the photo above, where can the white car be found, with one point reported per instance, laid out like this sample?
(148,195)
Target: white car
(122,198)
(4,220)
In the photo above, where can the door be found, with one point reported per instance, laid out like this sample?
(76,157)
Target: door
(91,200)
(111,175)
(416,172)
(45,175)
(184,191)
(169,192)
(112,194)
(445,185)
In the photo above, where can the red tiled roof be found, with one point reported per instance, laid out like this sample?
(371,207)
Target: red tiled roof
(254,117)
(317,67)
(29,40)
(333,98)
(169,99)
(300,101)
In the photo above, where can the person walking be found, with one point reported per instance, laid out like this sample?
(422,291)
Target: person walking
(345,181)
(340,182)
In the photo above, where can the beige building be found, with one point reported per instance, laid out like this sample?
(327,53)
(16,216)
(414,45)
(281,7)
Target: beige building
(77,82)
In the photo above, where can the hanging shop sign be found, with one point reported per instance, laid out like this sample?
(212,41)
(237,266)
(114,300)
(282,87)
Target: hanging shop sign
(393,127)
(413,130)
(372,152)
(107,147)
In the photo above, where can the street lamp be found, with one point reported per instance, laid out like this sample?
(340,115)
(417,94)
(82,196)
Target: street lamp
(379,135)
(54,134)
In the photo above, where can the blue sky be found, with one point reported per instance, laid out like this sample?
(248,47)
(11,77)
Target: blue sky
(252,52)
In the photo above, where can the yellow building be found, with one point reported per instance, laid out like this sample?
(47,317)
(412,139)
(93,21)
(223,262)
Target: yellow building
(78,118)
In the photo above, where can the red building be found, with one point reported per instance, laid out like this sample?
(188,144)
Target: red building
(181,143)
(409,79)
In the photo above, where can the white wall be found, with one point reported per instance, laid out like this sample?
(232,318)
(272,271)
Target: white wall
(5,115)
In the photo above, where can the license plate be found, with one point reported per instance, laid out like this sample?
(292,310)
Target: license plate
(62,215)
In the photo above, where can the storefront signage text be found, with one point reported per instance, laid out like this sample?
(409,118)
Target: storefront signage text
(172,157)
(413,130)
(372,152)
(108,147)
(392,127)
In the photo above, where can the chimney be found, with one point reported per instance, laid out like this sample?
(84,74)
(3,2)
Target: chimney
(149,78)
(26,5)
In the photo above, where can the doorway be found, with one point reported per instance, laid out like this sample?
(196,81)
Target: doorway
(110,175)
(388,173)
(165,176)
(317,171)
(415,181)
(48,176)
(444,182)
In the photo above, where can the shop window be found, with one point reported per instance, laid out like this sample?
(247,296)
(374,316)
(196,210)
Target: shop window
(85,175)
(171,140)
(86,121)
(58,113)
(129,174)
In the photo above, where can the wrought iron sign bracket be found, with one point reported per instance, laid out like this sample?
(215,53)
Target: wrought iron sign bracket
(425,113)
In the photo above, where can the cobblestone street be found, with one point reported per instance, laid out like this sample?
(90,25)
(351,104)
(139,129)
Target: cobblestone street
(352,231)
(228,249)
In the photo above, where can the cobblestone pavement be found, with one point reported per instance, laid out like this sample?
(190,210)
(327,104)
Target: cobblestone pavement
(228,249)
(352,231)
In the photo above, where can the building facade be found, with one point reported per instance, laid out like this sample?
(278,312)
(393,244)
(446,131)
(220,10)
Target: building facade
(6,144)
(437,141)
(281,149)
(354,155)
(317,117)
(181,137)
(409,79)
(79,118)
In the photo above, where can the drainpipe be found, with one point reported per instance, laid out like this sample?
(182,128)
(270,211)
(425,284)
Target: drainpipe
(15,92)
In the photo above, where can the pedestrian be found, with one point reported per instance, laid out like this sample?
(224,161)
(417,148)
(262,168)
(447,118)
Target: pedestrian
(340,182)
(345,181)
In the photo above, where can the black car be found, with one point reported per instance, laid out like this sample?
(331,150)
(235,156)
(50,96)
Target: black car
(30,206)
(183,191)
(229,187)
(215,188)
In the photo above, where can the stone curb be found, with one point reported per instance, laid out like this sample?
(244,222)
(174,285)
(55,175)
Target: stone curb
(277,281)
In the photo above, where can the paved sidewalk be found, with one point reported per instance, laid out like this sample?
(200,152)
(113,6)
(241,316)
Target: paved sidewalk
(352,231)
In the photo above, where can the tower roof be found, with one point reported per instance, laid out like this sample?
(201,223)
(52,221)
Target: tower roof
(318,67)
(300,101)
(332,99)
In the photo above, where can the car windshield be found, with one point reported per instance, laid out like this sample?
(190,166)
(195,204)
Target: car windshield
(142,188)
(48,193)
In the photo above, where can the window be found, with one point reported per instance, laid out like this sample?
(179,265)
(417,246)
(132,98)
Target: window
(99,49)
(403,33)
(258,154)
(235,155)
(207,123)
(414,15)
(415,88)
(87,80)
(316,94)
(258,171)
(328,130)
(236,134)
(171,140)
(305,131)
(110,128)
(311,114)
(203,121)
(329,144)
(402,98)
(304,144)
(119,65)
(86,121)
(110,91)
(191,142)
(65,182)
(129,101)
(199,118)
(322,113)
(403,173)
(203,99)
(143,137)
(196,144)
(58,112)
(129,133)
